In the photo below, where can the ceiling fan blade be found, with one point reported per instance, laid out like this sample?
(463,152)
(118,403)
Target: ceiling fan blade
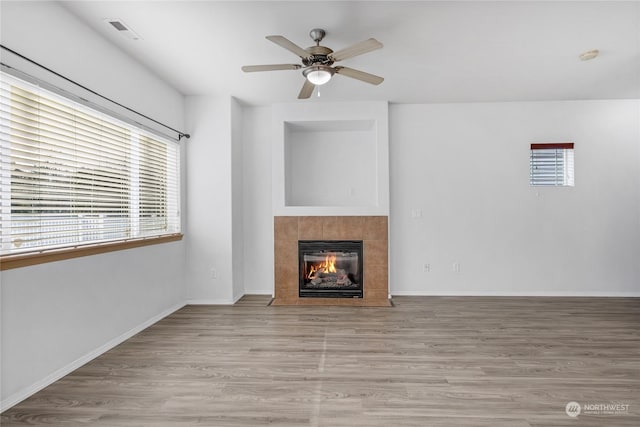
(355,50)
(274,67)
(307,90)
(289,45)
(359,75)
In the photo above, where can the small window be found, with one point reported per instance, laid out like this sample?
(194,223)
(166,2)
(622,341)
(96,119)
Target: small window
(551,164)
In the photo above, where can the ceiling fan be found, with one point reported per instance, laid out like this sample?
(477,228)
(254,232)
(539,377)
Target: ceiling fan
(317,61)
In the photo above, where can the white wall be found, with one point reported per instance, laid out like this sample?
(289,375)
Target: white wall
(258,214)
(214,265)
(466,167)
(237,200)
(47,33)
(56,315)
(331,168)
(208,236)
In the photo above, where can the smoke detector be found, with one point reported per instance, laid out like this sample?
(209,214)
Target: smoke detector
(591,54)
(122,28)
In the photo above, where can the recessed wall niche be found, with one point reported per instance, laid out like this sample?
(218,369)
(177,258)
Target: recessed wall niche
(331,163)
(330,159)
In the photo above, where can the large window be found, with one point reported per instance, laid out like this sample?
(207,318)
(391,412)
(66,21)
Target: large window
(551,164)
(72,176)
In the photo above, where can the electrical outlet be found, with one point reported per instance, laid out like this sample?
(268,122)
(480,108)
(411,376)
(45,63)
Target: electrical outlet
(426,268)
(456,267)
(214,273)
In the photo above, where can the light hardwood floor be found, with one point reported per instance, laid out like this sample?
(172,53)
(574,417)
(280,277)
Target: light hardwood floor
(428,361)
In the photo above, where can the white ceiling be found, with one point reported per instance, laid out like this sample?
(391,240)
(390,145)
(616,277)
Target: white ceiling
(433,51)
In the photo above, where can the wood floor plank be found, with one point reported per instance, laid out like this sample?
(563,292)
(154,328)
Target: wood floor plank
(428,361)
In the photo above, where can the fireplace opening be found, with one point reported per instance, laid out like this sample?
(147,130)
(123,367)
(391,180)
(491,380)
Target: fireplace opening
(330,268)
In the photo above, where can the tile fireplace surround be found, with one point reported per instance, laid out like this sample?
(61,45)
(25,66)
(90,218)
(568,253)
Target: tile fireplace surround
(372,230)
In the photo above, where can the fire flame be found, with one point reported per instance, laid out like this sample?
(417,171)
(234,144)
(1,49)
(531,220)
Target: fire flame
(328,266)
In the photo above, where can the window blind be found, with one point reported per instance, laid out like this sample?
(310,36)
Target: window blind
(551,164)
(73,176)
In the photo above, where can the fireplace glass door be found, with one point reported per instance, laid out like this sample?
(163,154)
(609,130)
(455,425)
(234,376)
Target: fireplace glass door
(330,268)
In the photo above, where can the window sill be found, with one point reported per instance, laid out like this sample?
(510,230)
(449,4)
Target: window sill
(8,262)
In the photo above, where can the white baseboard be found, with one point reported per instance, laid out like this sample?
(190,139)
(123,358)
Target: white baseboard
(19,396)
(517,294)
(259,292)
(220,301)
(205,301)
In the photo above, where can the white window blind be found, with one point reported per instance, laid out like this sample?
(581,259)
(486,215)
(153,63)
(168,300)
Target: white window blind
(73,176)
(551,164)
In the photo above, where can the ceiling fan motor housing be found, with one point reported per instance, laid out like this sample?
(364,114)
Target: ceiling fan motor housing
(319,55)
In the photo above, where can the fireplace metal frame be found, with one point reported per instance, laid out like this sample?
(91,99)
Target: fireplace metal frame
(305,246)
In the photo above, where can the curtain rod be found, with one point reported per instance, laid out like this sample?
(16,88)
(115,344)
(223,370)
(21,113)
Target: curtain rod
(180,134)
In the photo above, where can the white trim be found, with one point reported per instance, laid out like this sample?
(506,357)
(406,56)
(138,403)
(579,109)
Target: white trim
(417,293)
(225,301)
(26,392)
(259,292)
(210,301)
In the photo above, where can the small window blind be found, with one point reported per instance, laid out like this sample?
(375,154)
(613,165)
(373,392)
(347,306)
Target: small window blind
(73,176)
(551,164)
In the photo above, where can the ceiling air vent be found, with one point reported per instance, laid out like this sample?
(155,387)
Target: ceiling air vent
(122,28)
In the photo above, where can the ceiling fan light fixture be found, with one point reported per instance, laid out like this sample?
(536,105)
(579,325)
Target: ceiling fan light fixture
(318,74)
